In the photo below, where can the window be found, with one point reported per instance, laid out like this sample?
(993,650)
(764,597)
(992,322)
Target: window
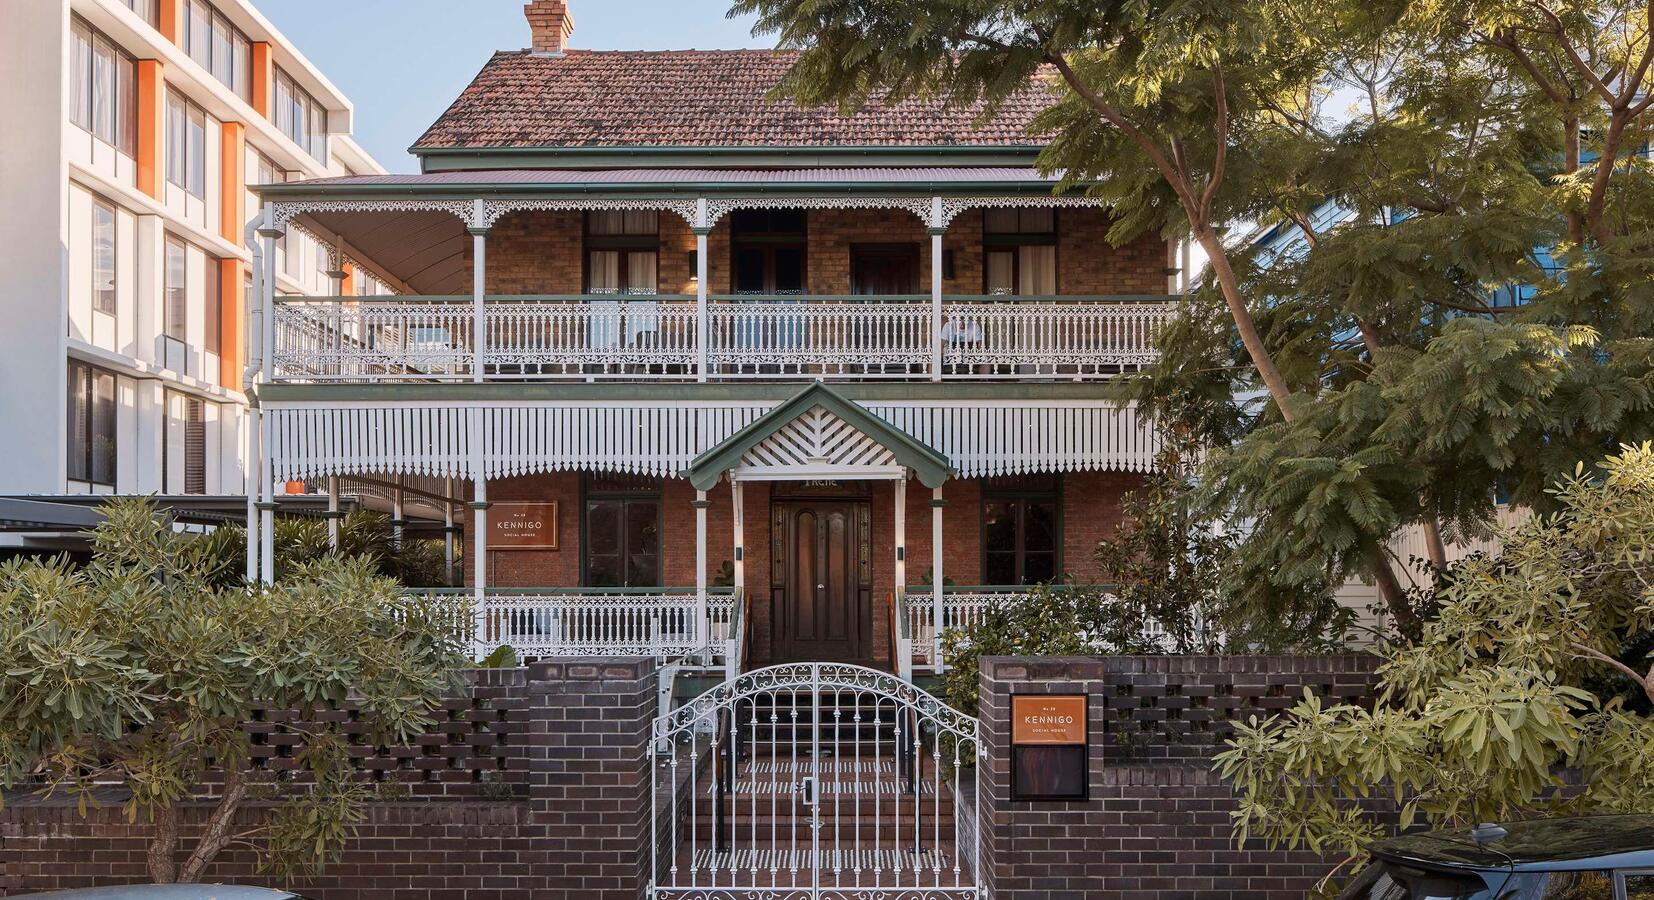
(1021,530)
(103,257)
(300,117)
(212,310)
(1578,886)
(103,88)
(175,314)
(91,424)
(219,47)
(148,10)
(1020,251)
(186,145)
(1385,881)
(1639,886)
(622,252)
(622,539)
(187,423)
(768,250)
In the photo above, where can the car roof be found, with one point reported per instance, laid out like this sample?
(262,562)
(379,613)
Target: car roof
(1584,842)
(166,892)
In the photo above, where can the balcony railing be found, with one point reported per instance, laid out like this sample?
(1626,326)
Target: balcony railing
(649,337)
(547,622)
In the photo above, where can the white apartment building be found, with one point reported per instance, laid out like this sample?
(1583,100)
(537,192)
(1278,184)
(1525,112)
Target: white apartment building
(131,132)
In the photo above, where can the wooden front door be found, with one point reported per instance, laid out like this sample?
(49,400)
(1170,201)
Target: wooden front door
(821,588)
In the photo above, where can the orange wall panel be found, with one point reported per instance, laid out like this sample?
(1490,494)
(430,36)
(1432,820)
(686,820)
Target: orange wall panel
(232,338)
(170,21)
(347,284)
(264,78)
(152,103)
(233,166)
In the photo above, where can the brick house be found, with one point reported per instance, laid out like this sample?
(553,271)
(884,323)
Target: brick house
(693,367)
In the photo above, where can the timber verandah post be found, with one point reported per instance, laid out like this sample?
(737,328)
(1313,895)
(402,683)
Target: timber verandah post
(937,229)
(703,322)
(478,229)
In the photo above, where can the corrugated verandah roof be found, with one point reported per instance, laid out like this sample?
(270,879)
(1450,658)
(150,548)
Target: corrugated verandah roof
(918,177)
(696,98)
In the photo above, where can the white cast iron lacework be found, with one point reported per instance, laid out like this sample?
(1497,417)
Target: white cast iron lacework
(979,439)
(494,210)
(814,780)
(953,206)
(717,209)
(817,437)
(287,210)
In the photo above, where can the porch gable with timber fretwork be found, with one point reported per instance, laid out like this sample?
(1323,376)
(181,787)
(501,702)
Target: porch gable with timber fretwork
(818,434)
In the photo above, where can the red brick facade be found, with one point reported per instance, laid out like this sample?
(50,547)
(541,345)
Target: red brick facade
(1090,504)
(540,253)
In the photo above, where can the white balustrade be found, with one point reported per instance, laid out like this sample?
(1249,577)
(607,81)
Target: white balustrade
(815,336)
(1018,338)
(588,622)
(650,338)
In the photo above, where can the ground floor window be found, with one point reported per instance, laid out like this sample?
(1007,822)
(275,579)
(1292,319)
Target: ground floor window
(622,531)
(1021,530)
(91,424)
(186,437)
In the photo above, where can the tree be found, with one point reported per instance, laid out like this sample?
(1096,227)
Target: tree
(141,670)
(1537,667)
(415,562)
(1489,152)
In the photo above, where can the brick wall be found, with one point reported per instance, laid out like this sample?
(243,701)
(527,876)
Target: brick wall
(551,802)
(1156,823)
(541,253)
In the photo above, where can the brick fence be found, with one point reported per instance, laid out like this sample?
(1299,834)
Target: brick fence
(1156,823)
(534,783)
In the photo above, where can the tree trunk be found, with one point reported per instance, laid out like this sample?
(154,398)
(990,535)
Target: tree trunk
(1218,258)
(1391,592)
(162,853)
(1433,544)
(217,834)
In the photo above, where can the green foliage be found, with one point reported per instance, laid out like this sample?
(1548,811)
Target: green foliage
(503,657)
(1046,622)
(142,669)
(1176,570)
(363,534)
(1537,664)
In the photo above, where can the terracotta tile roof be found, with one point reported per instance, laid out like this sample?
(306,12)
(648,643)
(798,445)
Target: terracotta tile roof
(707,98)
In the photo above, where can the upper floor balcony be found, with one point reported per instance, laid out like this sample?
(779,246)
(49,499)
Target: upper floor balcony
(717,275)
(635,336)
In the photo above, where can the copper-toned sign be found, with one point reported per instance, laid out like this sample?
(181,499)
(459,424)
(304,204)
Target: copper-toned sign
(522,526)
(1047,720)
(1050,756)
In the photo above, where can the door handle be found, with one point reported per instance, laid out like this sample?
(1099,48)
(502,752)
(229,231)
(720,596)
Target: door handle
(809,787)
(821,587)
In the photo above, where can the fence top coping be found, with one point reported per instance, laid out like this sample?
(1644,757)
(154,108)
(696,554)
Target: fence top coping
(1042,668)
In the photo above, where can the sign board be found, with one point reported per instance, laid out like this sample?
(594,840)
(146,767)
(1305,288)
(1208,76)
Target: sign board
(522,526)
(1050,749)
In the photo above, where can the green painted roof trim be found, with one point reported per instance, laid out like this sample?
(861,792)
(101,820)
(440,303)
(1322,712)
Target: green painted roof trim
(300,190)
(931,467)
(665,392)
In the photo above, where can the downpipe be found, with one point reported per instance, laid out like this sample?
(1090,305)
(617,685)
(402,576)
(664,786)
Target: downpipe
(249,376)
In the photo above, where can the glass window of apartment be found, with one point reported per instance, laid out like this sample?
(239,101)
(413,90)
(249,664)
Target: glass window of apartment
(186,145)
(622,252)
(175,312)
(103,87)
(91,438)
(219,47)
(1021,529)
(622,531)
(190,415)
(1020,251)
(148,10)
(103,257)
(300,117)
(212,310)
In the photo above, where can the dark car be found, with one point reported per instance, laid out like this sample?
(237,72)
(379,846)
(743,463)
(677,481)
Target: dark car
(1590,858)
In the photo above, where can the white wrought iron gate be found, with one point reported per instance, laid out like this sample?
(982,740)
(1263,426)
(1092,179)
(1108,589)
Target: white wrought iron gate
(809,780)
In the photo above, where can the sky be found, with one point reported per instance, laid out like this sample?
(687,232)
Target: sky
(401,62)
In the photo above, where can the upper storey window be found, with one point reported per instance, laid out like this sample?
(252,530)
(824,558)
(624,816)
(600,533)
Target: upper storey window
(1020,251)
(300,117)
(622,252)
(220,47)
(186,145)
(103,88)
(148,10)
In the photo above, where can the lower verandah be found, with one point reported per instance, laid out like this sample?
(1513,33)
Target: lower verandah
(618,531)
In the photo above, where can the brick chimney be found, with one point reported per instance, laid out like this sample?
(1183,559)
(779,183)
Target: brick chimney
(551,25)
